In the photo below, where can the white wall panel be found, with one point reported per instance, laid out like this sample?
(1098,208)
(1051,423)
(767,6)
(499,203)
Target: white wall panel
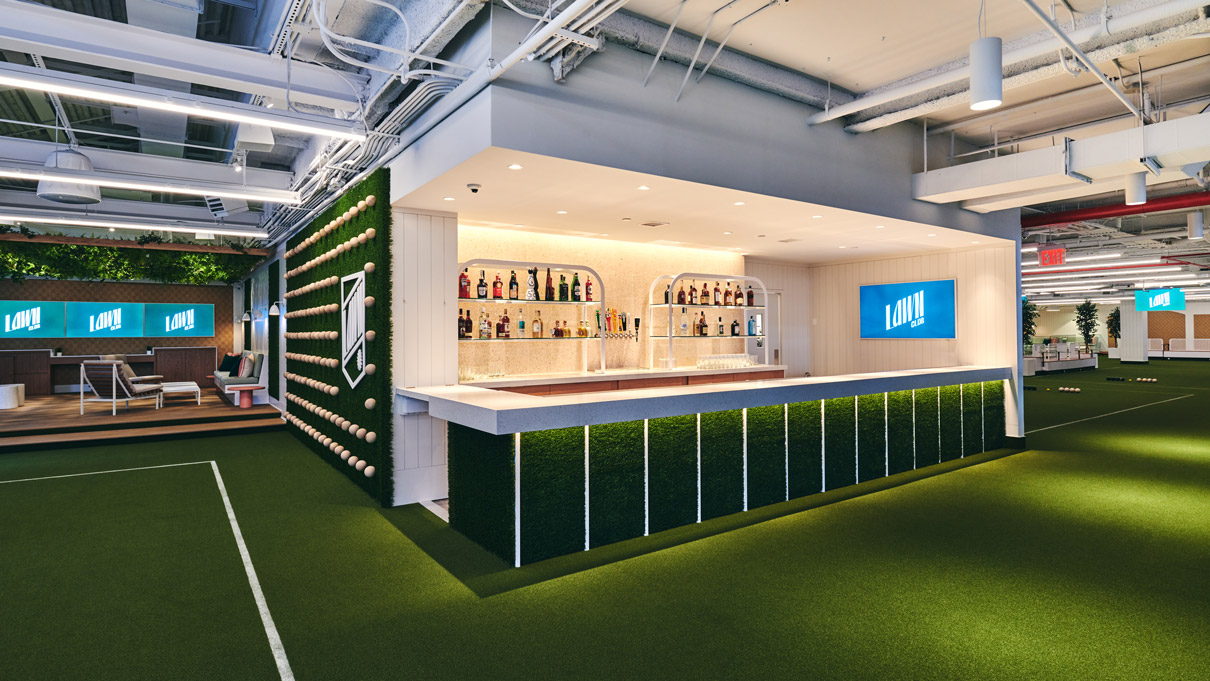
(791,281)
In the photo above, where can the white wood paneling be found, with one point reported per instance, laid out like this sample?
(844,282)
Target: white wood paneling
(423,303)
(792,282)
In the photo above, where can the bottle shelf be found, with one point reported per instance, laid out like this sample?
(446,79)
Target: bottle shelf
(759,335)
(712,307)
(514,340)
(518,301)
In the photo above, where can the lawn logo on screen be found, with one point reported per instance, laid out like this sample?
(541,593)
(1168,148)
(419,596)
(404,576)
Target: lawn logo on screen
(181,321)
(25,320)
(1161,299)
(907,310)
(353,327)
(110,320)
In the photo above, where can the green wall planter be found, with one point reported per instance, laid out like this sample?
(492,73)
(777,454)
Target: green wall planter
(901,445)
(481,488)
(871,437)
(672,472)
(552,493)
(951,422)
(840,446)
(972,418)
(928,428)
(993,414)
(805,428)
(722,441)
(615,482)
(766,455)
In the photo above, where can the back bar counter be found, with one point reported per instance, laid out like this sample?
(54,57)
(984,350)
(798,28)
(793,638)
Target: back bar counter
(534,476)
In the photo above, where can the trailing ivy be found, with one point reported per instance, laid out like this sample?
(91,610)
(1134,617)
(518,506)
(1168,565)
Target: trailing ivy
(20,261)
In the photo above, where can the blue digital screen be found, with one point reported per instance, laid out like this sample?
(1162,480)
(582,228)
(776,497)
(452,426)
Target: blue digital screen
(104,320)
(32,319)
(919,309)
(165,320)
(1159,299)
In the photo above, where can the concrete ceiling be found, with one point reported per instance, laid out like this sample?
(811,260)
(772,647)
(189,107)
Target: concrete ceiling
(598,201)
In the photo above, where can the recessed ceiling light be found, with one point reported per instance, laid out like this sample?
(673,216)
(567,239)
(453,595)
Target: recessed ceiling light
(561,212)
(932,235)
(816,217)
(738,203)
(643,187)
(111,229)
(879,226)
(604,235)
(844,246)
(726,232)
(518,225)
(447,198)
(974,242)
(625,219)
(515,166)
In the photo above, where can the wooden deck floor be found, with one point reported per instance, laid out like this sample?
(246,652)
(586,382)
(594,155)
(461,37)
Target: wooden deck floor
(49,413)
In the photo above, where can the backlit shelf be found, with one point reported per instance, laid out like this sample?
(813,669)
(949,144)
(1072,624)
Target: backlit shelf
(759,335)
(518,301)
(514,340)
(715,307)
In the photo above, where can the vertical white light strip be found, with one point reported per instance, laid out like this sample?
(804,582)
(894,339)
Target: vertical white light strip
(699,468)
(982,423)
(856,444)
(913,429)
(585,484)
(961,422)
(517,500)
(938,425)
(886,436)
(745,411)
(823,450)
(646,484)
(785,424)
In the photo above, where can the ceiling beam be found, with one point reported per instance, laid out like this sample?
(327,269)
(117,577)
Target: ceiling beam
(130,243)
(38,29)
(118,209)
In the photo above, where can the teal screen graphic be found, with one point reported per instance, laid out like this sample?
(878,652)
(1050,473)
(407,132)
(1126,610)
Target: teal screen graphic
(32,319)
(104,320)
(167,320)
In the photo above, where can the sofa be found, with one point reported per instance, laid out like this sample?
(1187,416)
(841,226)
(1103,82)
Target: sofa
(224,380)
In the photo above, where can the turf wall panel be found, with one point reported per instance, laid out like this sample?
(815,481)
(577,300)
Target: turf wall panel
(350,403)
(928,429)
(274,358)
(840,447)
(552,493)
(972,418)
(766,455)
(672,472)
(993,414)
(871,437)
(805,428)
(615,482)
(481,488)
(900,436)
(951,422)
(722,442)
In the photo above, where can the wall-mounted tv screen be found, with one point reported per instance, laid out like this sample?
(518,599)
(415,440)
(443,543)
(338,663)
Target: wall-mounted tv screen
(1159,299)
(919,309)
(33,319)
(167,320)
(104,320)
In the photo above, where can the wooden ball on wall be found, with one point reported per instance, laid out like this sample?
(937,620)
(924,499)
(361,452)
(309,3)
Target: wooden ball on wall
(339,449)
(370,335)
(354,211)
(345,454)
(370,403)
(361,205)
(369,471)
(361,433)
(369,301)
(369,267)
(340,221)
(370,200)
(340,248)
(371,233)
(370,369)
(371,437)
(361,239)
(361,465)
(334,390)
(353,460)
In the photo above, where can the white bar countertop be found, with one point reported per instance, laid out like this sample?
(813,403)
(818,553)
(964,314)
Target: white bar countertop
(500,412)
(613,375)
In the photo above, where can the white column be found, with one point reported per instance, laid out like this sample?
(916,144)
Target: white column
(1133,342)
(424,292)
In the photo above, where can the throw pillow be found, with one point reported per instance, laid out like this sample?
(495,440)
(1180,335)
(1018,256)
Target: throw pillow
(246,365)
(230,363)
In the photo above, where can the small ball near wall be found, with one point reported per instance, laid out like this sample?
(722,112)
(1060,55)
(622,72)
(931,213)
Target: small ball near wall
(369,301)
(361,465)
(353,460)
(354,211)
(370,335)
(369,267)
(371,437)
(370,369)
(345,454)
(370,403)
(361,433)
(370,200)
(371,233)
(369,471)
(361,205)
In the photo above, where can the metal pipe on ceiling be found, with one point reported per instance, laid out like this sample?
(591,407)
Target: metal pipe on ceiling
(1162,204)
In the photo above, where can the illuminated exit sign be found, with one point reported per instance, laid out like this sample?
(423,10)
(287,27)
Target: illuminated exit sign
(1051,257)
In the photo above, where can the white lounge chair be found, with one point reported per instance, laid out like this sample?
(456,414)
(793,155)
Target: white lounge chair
(108,382)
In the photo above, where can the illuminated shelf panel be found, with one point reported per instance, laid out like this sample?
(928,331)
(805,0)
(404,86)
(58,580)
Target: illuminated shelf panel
(518,301)
(759,335)
(711,307)
(513,340)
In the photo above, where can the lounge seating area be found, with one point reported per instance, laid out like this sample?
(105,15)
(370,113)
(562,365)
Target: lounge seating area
(109,380)
(1179,348)
(242,374)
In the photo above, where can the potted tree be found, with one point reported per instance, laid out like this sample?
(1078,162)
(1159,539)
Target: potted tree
(1086,322)
(1113,327)
(1029,322)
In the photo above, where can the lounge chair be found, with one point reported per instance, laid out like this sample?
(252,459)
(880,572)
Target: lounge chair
(232,386)
(108,382)
(130,374)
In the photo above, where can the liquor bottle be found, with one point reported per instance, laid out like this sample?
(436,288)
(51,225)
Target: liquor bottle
(499,327)
(735,328)
(576,291)
(558,332)
(485,324)
(464,287)
(582,329)
(461,326)
(514,291)
(693,293)
(718,295)
(536,327)
(563,287)
(587,288)
(497,287)
(703,327)
(531,285)
(727,295)
(751,326)
(506,325)
(751,296)
(667,293)
(550,287)
(684,323)
(468,325)
(481,289)
(520,323)
(680,295)
(721,332)
(567,330)
(739,294)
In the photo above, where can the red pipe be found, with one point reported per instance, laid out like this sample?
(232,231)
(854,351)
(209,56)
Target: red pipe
(1061,269)
(1178,202)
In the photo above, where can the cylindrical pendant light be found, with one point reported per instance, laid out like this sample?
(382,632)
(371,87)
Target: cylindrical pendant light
(1136,189)
(1195,222)
(987,86)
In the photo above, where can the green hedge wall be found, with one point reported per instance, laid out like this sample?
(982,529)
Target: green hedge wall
(248,309)
(993,415)
(615,482)
(552,493)
(766,455)
(928,428)
(972,418)
(672,472)
(349,403)
(951,422)
(481,488)
(901,447)
(274,358)
(871,437)
(722,441)
(806,448)
(839,447)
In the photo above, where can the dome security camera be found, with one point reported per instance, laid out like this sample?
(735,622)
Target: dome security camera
(474,187)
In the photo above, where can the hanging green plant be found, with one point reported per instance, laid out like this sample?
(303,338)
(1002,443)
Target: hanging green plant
(19,261)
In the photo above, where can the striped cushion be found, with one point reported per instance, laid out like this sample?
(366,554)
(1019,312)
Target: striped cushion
(246,364)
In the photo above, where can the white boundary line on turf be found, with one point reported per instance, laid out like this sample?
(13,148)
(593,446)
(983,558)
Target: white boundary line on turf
(1092,418)
(275,644)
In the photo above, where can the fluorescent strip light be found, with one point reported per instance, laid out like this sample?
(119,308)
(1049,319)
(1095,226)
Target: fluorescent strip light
(1107,275)
(227,191)
(154,227)
(1075,301)
(1074,289)
(1029,249)
(1082,258)
(126,94)
(1124,263)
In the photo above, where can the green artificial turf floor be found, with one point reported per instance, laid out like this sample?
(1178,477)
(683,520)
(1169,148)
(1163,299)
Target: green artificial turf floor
(1085,557)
